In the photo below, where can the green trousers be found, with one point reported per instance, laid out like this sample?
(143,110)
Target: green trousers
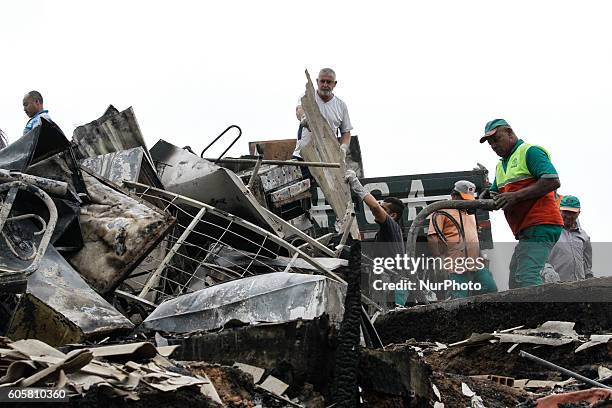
(482,276)
(531,253)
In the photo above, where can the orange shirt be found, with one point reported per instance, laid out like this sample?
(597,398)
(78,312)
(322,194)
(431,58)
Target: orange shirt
(455,246)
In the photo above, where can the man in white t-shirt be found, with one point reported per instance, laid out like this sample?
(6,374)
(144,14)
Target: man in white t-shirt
(332,108)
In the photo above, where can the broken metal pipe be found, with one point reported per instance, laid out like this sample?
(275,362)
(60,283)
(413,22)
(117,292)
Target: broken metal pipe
(280,162)
(59,188)
(12,188)
(563,370)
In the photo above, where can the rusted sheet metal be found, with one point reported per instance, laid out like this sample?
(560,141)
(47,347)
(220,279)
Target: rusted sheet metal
(274,297)
(131,164)
(186,174)
(60,308)
(40,143)
(118,231)
(112,132)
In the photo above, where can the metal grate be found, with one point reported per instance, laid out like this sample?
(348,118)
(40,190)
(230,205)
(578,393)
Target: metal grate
(205,247)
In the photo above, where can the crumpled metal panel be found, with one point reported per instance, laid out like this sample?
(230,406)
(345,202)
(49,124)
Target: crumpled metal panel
(274,297)
(59,307)
(177,165)
(131,164)
(40,143)
(119,231)
(186,174)
(28,153)
(112,132)
(67,235)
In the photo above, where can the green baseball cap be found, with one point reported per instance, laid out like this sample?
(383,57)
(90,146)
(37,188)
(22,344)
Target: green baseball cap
(570,203)
(491,128)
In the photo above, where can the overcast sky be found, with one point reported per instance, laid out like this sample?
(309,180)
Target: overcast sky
(420,78)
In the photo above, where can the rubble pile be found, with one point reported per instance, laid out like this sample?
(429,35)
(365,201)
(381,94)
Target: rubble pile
(132,276)
(518,366)
(121,370)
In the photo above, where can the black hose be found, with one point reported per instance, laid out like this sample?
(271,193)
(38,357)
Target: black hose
(434,220)
(418,222)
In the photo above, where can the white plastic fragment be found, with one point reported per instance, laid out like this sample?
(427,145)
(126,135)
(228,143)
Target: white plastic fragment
(465,389)
(436,391)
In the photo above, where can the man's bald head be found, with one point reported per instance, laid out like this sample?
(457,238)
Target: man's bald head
(32,103)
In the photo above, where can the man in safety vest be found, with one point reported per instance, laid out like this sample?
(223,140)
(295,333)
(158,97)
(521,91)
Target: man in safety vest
(525,183)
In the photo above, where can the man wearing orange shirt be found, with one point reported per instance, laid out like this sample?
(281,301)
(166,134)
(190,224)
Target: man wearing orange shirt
(460,245)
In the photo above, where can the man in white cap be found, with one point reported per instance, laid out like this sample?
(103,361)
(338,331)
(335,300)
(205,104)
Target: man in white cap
(453,234)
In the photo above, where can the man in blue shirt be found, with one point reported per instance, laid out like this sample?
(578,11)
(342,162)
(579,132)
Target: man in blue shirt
(33,107)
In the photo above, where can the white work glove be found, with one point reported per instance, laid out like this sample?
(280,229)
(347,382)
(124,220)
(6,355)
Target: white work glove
(304,122)
(344,148)
(355,184)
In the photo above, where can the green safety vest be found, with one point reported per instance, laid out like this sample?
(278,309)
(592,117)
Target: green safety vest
(540,211)
(517,169)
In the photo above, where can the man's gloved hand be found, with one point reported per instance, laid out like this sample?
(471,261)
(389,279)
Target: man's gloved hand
(304,122)
(344,148)
(355,184)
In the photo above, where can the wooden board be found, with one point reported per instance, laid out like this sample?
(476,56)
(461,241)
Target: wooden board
(274,149)
(324,147)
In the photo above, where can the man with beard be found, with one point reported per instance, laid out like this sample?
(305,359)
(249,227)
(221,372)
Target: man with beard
(524,187)
(333,110)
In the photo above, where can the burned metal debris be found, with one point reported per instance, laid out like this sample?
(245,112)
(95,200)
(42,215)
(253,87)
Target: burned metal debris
(59,307)
(119,232)
(131,165)
(271,298)
(105,244)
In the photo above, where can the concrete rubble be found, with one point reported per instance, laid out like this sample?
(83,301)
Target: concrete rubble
(132,276)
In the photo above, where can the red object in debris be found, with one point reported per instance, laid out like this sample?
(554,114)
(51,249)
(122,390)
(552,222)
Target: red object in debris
(592,396)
